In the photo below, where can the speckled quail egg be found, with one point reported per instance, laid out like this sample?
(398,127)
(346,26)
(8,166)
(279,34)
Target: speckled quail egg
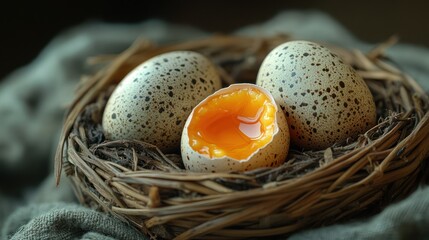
(324,99)
(238,128)
(152,102)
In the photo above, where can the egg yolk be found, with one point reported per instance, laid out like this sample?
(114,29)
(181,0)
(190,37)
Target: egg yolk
(234,124)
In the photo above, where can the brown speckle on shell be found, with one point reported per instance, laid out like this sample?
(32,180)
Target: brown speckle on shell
(339,94)
(156,96)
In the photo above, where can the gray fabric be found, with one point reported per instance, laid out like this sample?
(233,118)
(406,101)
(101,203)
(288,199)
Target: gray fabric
(408,219)
(32,104)
(64,221)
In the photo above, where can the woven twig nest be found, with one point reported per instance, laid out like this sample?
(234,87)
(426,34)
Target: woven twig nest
(137,183)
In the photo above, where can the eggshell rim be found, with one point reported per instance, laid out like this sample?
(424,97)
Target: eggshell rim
(229,89)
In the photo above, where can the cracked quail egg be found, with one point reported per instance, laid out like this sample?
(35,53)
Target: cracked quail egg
(238,128)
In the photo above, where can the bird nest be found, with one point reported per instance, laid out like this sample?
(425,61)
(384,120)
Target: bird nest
(136,182)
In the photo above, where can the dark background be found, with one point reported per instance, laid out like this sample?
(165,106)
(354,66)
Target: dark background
(26,27)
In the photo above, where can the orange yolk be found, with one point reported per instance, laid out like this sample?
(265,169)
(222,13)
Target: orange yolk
(234,124)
